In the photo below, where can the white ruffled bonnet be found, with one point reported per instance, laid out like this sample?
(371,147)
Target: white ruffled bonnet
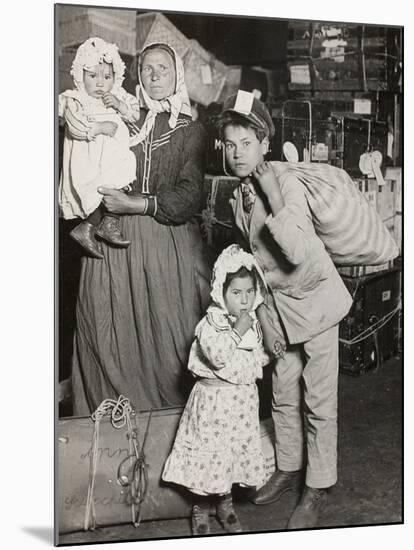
(92,52)
(231,260)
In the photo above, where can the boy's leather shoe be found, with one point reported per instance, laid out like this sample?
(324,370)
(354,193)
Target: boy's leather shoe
(306,513)
(84,234)
(277,485)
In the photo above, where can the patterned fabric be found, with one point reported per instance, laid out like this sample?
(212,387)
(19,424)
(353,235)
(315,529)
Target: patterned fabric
(178,103)
(218,440)
(350,228)
(217,351)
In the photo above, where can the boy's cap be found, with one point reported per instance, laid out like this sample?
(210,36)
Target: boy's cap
(252,109)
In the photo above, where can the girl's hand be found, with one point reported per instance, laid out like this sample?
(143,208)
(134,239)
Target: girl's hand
(243,323)
(109,100)
(118,202)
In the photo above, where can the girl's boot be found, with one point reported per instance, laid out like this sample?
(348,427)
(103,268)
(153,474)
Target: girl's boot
(200,517)
(227,515)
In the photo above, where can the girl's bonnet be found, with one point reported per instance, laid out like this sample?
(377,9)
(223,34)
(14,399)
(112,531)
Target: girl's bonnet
(231,260)
(92,52)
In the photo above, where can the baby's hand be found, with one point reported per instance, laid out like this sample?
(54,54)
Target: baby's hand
(264,174)
(109,100)
(107,128)
(243,323)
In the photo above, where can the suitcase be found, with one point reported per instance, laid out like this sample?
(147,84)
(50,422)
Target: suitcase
(358,136)
(217,219)
(310,128)
(376,303)
(111,494)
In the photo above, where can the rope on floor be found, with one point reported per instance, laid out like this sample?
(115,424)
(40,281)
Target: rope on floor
(120,412)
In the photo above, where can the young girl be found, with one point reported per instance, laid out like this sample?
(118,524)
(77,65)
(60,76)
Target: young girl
(218,439)
(96,144)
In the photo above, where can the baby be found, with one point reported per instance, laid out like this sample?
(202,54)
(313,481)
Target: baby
(96,145)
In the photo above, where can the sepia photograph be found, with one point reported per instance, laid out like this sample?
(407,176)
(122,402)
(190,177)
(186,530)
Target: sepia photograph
(204,302)
(229,274)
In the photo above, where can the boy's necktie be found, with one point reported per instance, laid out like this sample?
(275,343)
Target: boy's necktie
(249,196)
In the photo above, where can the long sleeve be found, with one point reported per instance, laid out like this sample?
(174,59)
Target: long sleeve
(219,347)
(129,109)
(290,227)
(178,203)
(77,123)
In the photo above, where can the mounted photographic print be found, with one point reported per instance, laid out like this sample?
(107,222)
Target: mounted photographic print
(229,272)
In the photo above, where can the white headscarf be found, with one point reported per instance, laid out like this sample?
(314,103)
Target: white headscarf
(175,104)
(93,52)
(231,260)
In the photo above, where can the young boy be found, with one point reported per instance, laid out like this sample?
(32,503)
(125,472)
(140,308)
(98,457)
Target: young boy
(309,298)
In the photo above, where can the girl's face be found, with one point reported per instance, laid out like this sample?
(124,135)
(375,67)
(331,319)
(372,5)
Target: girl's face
(243,150)
(240,295)
(158,74)
(99,80)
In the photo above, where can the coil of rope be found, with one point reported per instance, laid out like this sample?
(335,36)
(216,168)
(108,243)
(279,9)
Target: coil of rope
(372,329)
(120,412)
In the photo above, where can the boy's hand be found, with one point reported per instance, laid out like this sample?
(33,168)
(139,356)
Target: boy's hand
(243,323)
(109,100)
(264,174)
(269,183)
(106,128)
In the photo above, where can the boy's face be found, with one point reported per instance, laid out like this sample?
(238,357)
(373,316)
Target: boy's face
(240,295)
(99,79)
(243,150)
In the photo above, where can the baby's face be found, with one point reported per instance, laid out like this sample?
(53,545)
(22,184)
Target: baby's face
(98,79)
(158,74)
(240,295)
(243,149)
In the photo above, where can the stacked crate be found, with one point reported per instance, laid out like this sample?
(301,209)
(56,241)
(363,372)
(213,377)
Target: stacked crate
(340,56)
(77,24)
(205,76)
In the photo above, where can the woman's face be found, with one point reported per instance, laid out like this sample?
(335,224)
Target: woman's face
(99,79)
(243,150)
(240,295)
(158,74)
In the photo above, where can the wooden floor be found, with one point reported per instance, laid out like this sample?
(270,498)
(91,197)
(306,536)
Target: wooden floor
(369,490)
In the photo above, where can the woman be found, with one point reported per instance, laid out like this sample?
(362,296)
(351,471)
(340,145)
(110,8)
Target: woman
(138,308)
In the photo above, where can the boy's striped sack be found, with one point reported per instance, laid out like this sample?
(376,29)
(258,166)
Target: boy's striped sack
(348,225)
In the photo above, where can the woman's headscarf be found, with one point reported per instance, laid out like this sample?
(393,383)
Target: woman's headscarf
(175,104)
